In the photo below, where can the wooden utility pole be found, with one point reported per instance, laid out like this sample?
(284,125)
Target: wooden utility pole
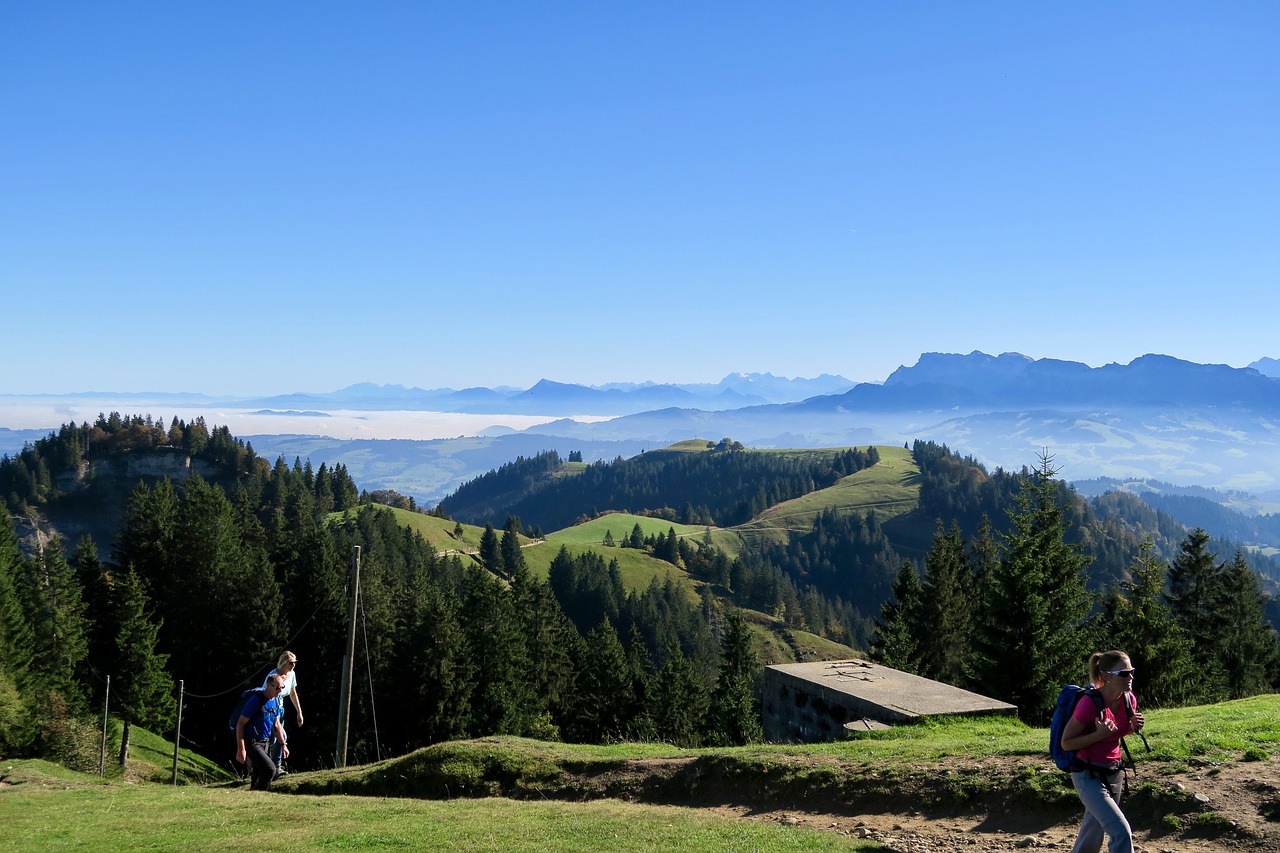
(348,662)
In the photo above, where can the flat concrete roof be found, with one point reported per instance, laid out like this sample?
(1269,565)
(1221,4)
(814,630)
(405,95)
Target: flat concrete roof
(901,696)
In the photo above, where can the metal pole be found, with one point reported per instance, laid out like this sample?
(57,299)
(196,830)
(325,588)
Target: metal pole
(177,732)
(102,757)
(348,662)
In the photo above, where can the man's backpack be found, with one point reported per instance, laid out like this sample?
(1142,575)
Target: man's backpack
(238,711)
(1068,698)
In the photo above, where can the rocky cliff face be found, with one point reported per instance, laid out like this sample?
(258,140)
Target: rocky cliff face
(92,499)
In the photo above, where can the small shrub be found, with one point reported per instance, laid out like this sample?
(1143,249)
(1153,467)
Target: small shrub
(1255,753)
(1172,822)
(66,739)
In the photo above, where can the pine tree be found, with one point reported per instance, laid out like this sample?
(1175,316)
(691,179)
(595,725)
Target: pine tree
(606,702)
(946,605)
(1036,623)
(144,690)
(1136,620)
(733,717)
(491,550)
(436,665)
(499,657)
(1195,598)
(897,637)
(512,556)
(17,720)
(56,611)
(1248,651)
(549,639)
(678,700)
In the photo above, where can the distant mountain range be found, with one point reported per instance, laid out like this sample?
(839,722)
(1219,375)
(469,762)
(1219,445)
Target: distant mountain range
(559,398)
(1157,417)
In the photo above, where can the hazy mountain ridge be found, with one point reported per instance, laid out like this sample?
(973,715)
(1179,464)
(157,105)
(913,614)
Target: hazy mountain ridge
(548,397)
(1158,418)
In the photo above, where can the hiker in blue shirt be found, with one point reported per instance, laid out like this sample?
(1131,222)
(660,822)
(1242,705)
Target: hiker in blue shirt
(286,668)
(1094,735)
(259,720)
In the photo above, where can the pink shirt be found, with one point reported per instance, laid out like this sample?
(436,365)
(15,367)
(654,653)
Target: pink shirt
(1107,750)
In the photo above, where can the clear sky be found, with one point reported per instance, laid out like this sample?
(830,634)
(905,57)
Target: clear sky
(246,198)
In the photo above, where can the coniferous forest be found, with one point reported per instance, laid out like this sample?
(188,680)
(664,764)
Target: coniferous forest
(998,581)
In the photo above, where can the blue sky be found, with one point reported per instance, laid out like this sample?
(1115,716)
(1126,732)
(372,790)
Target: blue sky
(259,198)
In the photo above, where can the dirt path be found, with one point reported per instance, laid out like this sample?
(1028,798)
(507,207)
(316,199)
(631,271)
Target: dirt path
(1202,810)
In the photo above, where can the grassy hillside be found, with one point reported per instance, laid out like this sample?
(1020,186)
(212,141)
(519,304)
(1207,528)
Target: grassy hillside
(439,532)
(889,487)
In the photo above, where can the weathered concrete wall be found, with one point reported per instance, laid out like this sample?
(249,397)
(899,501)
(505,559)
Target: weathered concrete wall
(798,710)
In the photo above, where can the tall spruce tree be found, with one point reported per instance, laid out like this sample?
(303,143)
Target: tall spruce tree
(512,555)
(491,550)
(1136,620)
(946,608)
(896,642)
(1035,630)
(17,714)
(57,614)
(435,664)
(502,696)
(1248,651)
(1195,598)
(606,704)
(549,639)
(678,699)
(733,717)
(144,693)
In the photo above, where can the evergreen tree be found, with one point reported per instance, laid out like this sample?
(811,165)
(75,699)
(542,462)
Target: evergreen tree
(1195,599)
(226,615)
(549,639)
(678,700)
(1136,620)
(1248,651)
(733,717)
(145,541)
(437,668)
(491,550)
(946,604)
(16,649)
(606,702)
(502,695)
(512,556)
(1036,624)
(898,629)
(56,612)
(143,691)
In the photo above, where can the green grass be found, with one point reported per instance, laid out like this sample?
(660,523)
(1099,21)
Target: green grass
(42,809)
(439,532)
(524,795)
(637,568)
(620,524)
(153,755)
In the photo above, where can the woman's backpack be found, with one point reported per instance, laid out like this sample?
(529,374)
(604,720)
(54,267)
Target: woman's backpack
(1068,698)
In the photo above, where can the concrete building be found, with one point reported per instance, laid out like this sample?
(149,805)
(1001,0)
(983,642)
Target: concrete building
(808,702)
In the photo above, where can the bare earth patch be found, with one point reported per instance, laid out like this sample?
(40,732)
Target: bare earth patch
(1209,808)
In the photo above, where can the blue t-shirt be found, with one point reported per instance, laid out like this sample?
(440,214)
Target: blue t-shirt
(260,725)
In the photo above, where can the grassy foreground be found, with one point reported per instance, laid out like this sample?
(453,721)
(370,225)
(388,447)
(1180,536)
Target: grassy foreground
(506,793)
(44,808)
